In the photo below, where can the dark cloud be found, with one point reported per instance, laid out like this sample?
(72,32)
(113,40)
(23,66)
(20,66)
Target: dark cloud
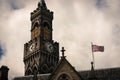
(16,4)
(101,4)
(1,52)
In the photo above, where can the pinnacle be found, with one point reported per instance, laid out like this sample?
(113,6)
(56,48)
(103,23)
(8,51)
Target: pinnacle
(42,4)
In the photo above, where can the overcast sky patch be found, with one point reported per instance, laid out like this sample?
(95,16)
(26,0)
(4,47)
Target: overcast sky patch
(116,35)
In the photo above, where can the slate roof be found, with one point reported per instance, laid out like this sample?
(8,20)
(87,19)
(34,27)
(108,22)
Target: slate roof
(30,77)
(103,74)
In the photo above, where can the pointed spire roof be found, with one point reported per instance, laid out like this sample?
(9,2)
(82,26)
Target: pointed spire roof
(42,4)
(92,68)
(62,63)
(91,74)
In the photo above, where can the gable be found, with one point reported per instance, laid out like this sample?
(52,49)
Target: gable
(65,71)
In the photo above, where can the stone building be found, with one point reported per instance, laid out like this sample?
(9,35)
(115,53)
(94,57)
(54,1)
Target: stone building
(41,54)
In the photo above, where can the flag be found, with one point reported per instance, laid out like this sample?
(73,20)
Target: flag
(96,48)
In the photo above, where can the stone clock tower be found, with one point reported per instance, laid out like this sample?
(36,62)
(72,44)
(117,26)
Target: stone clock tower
(41,53)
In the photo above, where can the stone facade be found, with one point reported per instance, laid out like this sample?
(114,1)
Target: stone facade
(65,71)
(41,53)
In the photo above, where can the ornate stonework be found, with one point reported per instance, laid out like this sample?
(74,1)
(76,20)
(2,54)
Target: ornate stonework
(41,53)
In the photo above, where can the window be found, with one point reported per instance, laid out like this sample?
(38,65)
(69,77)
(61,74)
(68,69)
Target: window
(64,77)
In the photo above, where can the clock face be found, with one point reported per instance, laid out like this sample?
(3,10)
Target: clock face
(49,47)
(32,47)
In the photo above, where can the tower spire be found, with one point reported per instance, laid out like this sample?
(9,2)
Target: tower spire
(42,4)
(91,74)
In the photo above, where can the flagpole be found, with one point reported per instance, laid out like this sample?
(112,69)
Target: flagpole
(93,56)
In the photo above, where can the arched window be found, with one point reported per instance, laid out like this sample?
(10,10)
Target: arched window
(29,72)
(47,31)
(35,30)
(36,24)
(64,77)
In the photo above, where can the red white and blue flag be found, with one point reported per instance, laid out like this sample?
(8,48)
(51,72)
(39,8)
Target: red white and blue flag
(96,48)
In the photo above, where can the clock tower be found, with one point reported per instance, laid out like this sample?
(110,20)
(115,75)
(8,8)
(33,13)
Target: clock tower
(41,53)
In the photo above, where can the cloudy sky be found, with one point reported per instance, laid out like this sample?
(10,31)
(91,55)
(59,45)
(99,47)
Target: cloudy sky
(76,24)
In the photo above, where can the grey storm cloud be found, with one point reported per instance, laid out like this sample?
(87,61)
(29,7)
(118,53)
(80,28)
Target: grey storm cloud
(76,24)
(1,51)
(101,3)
